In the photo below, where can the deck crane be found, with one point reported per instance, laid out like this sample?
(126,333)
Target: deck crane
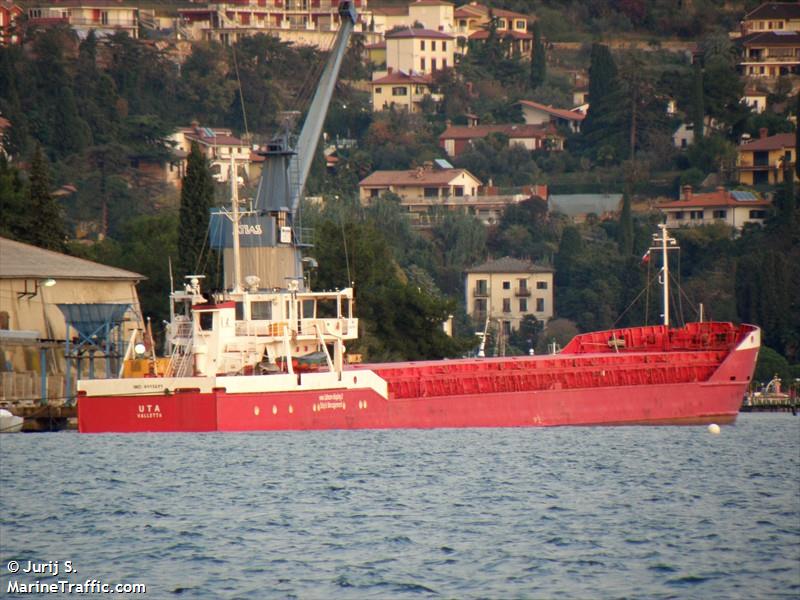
(269,236)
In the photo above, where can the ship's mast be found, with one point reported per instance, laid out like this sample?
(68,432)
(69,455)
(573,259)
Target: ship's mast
(663,242)
(237,260)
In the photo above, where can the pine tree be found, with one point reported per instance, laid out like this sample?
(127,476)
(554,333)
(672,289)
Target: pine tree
(197,195)
(625,236)
(538,59)
(698,103)
(45,226)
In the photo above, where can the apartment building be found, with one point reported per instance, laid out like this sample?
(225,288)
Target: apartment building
(507,289)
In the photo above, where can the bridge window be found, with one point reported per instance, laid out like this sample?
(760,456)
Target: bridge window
(261,310)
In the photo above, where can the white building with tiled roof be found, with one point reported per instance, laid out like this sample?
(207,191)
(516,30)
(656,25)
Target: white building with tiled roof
(507,289)
(401,91)
(217,144)
(414,50)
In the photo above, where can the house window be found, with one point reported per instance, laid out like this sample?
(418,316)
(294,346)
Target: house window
(523,305)
(420,89)
(541,285)
(433,64)
(521,25)
(679,215)
(374,193)
(506,305)
(431,192)
(104,17)
(444,63)
(444,46)
(481,287)
(400,91)
(422,64)
(462,23)
(378,90)
(506,327)
(540,305)
(501,24)
(696,215)
(422,44)
(458,190)
(506,285)
(758,214)
(433,45)
(480,306)
(720,214)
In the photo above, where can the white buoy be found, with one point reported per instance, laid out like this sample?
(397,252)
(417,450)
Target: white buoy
(713,429)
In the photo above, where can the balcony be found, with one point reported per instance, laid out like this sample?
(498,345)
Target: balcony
(522,292)
(480,292)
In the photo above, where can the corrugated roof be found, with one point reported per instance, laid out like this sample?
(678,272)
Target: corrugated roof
(574,205)
(773,142)
(571,115)
(775,10)
(512,130)
(23,261)
(508,264)
(414,177)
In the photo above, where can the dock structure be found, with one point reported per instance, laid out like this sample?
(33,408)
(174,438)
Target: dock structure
(770,403)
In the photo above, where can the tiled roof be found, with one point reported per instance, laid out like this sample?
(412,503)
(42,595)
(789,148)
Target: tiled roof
(18,261)
(508,264)
(503,33)
(431,3)
(391,11)
(774,10)
(711,199)
(210,136)
(512,130)
(773,142)
(413,177)
(473,9)
(563,113)
(770,38)
(401,77)
(412,32)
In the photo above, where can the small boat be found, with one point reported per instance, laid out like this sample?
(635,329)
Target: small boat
(10,423)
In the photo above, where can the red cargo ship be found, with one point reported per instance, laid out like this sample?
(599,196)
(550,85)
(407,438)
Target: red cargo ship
(236,366)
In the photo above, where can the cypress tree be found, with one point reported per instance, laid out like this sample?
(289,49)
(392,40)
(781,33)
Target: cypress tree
(602,84)
(538,59)
(45,225)
(698,103)
(625,237)
(197,195)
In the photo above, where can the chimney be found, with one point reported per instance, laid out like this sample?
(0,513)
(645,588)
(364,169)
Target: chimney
(686,192)
(762,133)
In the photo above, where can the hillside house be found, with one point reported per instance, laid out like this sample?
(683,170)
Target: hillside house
(457,139)
(401,91)
(431,14)
(304,22)
(734,208)
(9,13)
(217,144)
(472,20)
(762,161)
(538,114)
(103,17)
(506,290)
(770,54)
(772,16)
(414,50)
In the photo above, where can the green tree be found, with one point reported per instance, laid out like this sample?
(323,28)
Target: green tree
(698,106)
(625,235)
(45,225)
(602,82)
(538,58)
(197,195)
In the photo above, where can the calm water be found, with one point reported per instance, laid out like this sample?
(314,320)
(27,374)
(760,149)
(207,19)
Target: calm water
(639,512)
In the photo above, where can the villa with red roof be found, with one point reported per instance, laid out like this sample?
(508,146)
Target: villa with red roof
(539,114)
(471,22)
(735,208)
(9,13)
(401,91)
(457,139)
(762,161)
(217,144)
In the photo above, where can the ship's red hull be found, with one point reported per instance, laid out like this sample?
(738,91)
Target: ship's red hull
(579,389)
